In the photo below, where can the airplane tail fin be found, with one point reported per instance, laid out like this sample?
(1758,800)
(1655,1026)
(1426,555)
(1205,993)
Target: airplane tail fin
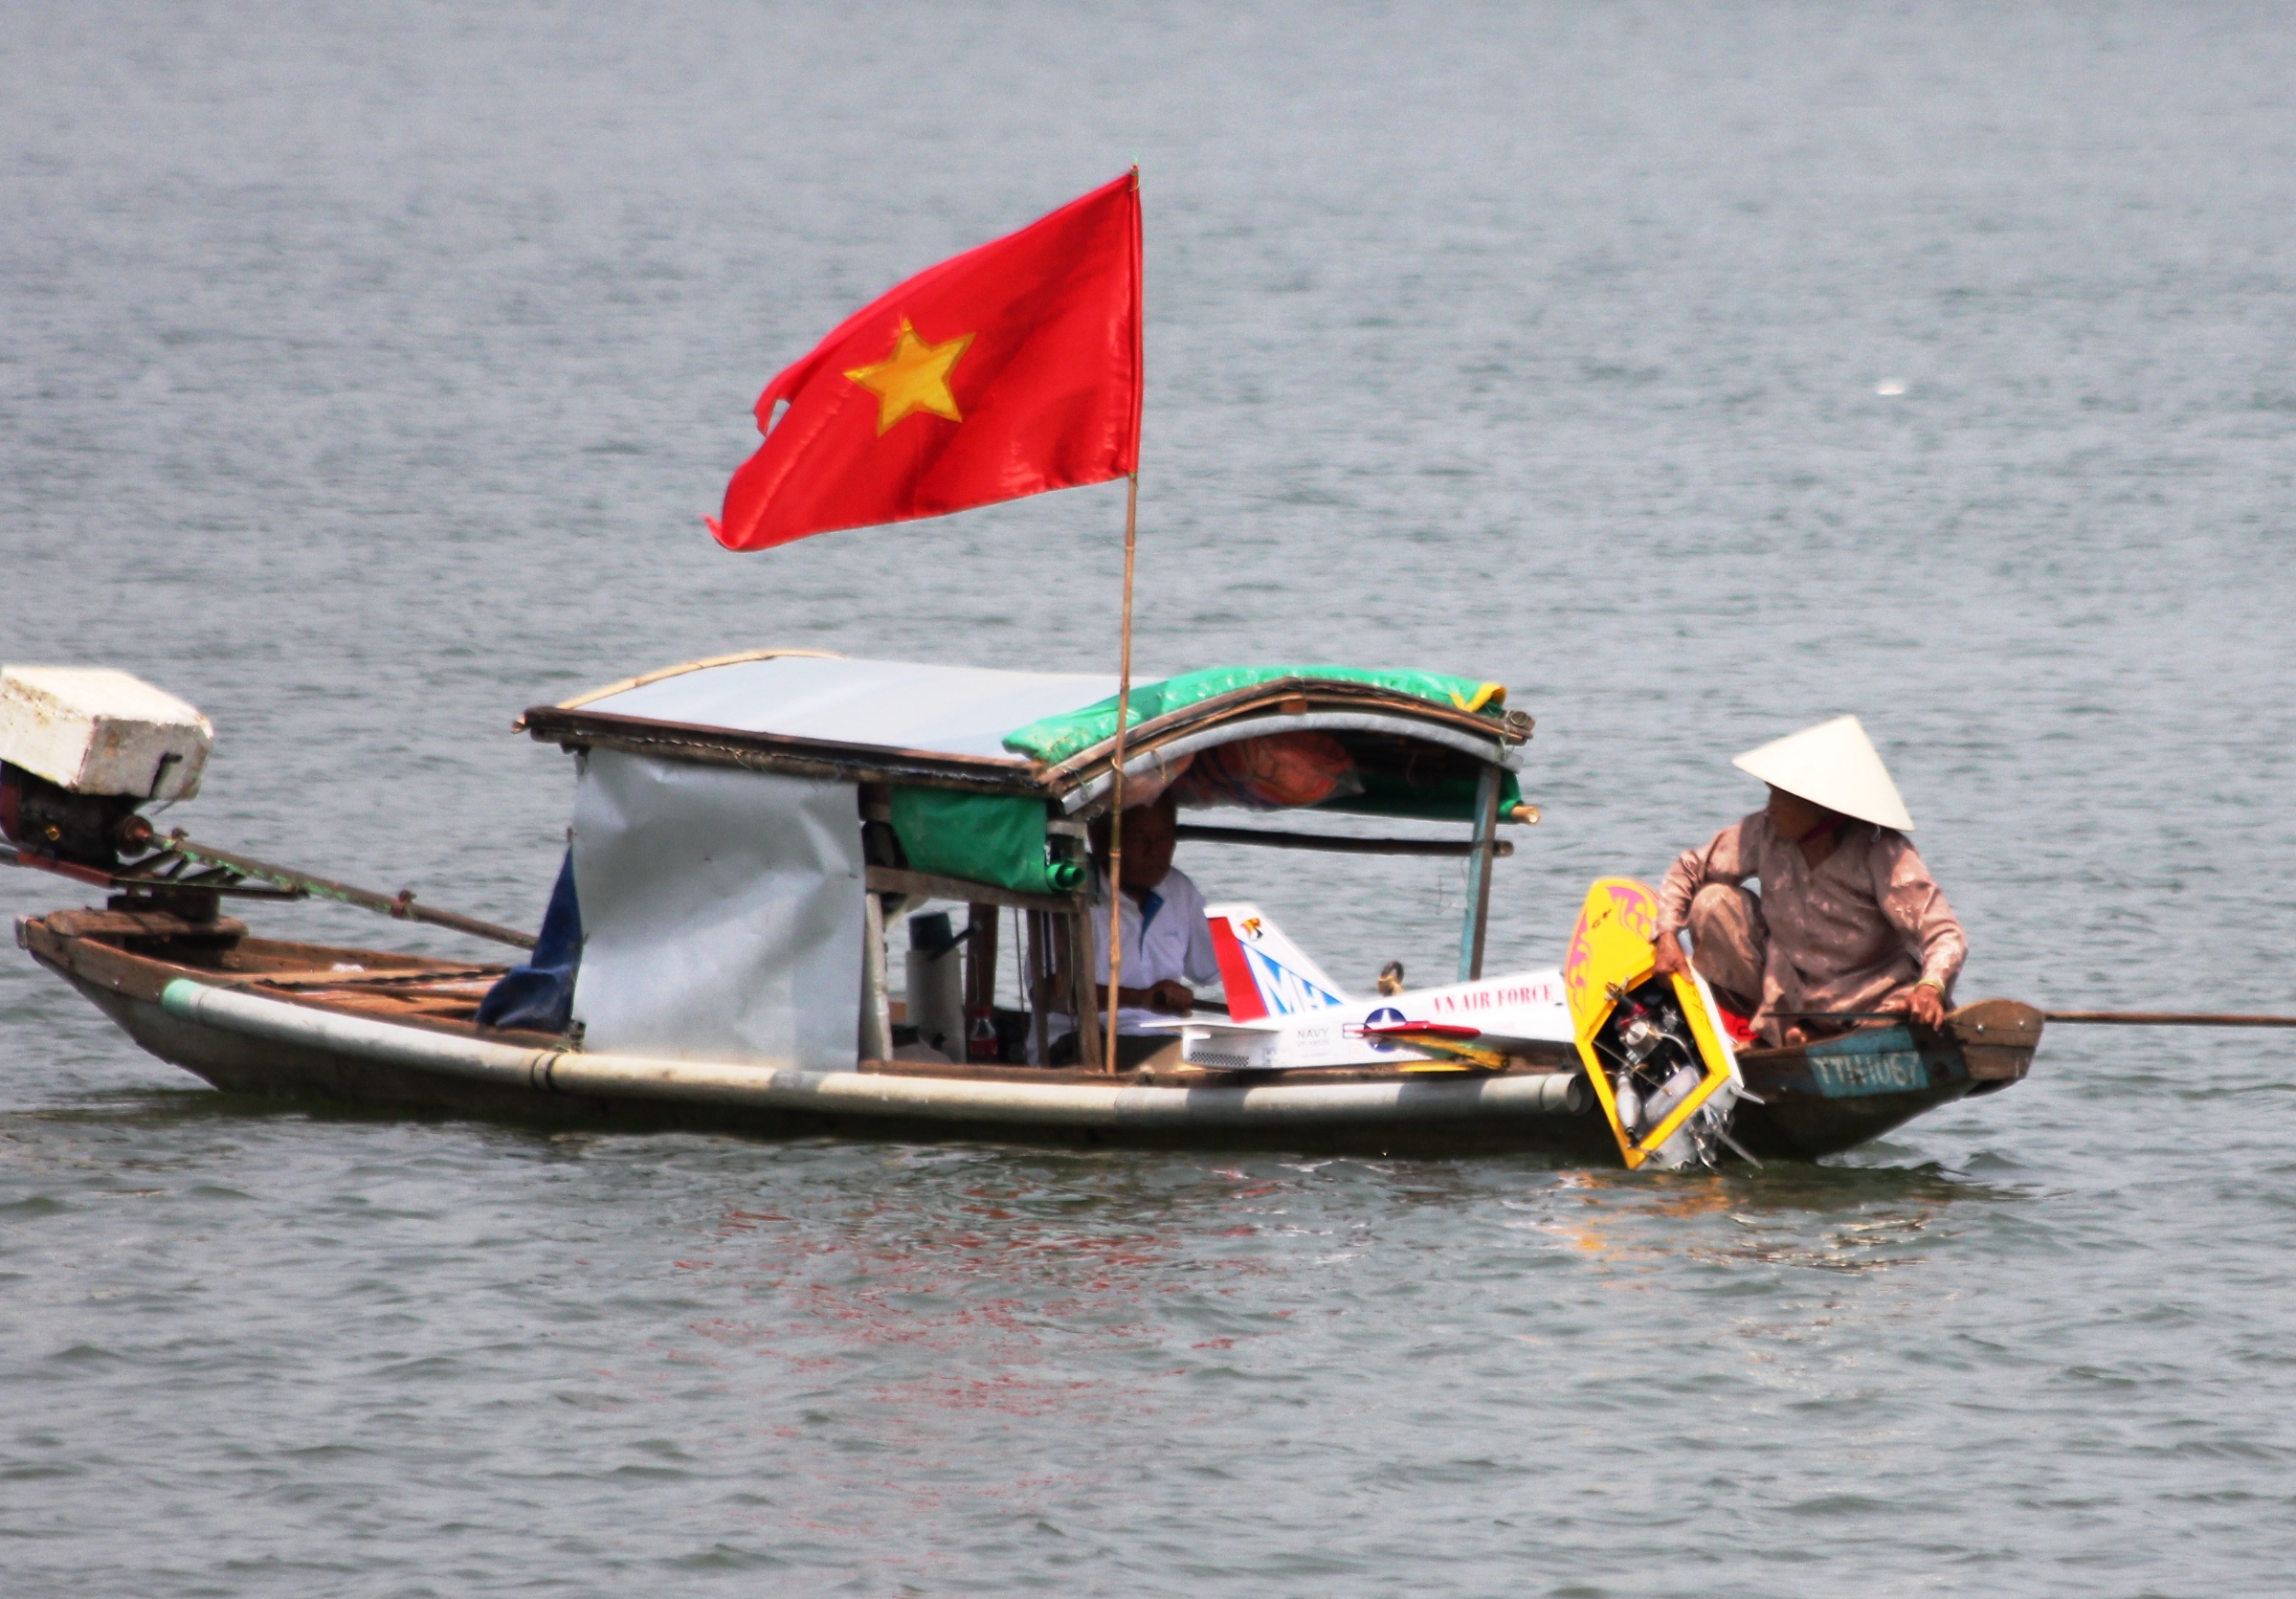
(1264,973)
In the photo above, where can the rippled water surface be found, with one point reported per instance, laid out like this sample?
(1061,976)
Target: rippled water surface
(1698,370)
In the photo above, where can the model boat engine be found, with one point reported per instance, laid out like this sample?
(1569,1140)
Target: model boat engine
(1654,1066)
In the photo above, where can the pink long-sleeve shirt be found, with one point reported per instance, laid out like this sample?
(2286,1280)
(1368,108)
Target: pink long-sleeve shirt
(1858,930)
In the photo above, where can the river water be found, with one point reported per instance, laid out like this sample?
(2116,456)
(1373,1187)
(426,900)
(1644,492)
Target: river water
(1698,370)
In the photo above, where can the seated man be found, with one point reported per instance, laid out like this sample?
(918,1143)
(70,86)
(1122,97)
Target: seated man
(1166,944)
(1848,919)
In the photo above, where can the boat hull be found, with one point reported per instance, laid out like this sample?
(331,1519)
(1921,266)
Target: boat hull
(282,1047)
(284,1057)
(187,996)
(1844,1090)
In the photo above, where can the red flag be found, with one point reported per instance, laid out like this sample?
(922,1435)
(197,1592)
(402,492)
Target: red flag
(1005,371)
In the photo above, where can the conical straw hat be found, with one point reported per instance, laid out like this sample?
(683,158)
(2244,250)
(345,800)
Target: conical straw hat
(1834,764)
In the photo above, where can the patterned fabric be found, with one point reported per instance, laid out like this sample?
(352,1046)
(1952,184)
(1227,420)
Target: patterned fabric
(1851,935)
(1730,944)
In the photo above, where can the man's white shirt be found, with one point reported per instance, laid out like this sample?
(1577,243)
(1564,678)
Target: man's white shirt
(1165,936)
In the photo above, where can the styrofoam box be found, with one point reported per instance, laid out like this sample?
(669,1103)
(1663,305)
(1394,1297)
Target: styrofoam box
(97,731)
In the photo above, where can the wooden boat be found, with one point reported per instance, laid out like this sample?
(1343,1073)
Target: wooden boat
(395,1032)
(754,824)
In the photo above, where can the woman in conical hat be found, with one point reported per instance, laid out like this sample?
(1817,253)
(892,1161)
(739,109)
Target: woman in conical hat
(1848,919)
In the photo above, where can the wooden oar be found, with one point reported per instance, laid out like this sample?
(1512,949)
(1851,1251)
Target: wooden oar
(2111,1018)
(400,905)
(2165,1018)
(287,884)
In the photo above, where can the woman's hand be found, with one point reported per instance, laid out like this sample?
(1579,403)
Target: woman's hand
(1925,1005)
(1924,1002)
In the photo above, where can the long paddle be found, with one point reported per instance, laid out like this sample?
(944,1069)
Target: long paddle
(2165,1018)
(2113,1018)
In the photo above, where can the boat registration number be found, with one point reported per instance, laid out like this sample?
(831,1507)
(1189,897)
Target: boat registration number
(1845,1075)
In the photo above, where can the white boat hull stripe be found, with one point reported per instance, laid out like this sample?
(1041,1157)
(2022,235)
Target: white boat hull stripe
(1304,1103)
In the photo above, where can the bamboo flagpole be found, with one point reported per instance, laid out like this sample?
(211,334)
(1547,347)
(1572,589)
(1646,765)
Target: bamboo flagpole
(1116,789)
(1124,694)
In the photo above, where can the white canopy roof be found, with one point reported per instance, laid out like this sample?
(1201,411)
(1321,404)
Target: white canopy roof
(943,710)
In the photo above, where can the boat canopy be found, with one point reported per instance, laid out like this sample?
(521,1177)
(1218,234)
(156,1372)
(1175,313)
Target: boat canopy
(956,783)
(973,755)
(806,700)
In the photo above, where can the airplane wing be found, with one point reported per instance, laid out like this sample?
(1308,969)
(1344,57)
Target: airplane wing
(1447,1042)
(1289,1044)
(1458,1034)
(1208,1024)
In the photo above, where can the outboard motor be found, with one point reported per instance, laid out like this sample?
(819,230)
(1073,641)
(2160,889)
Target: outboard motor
(1658,1065)
(81,750)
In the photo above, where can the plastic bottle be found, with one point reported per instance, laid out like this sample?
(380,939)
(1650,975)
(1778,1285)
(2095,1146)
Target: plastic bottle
(980,1034)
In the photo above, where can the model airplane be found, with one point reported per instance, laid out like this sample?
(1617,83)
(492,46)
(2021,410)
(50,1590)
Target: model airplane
(1286,1014)
(1663,1074)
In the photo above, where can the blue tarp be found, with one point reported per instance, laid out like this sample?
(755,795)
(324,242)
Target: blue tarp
(539,996)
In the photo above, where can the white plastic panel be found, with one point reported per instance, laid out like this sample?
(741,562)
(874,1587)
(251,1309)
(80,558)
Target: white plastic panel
(721,913)
(100,731)
(947,710)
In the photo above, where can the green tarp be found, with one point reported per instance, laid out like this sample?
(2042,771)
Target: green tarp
(986,838)
(993,838)
(1056,737)
(1452,800)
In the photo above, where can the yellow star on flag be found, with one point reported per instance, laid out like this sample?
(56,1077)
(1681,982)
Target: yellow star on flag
(914,377)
